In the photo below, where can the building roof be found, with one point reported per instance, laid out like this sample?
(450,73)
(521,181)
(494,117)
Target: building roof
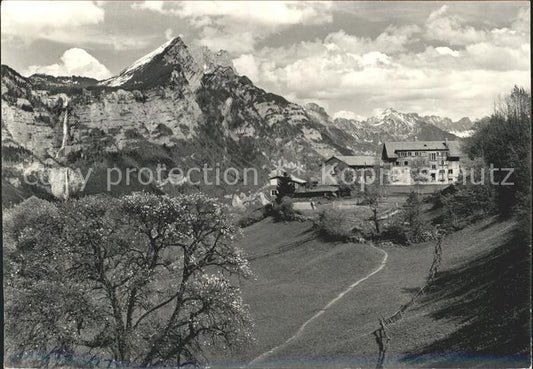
(391,148)
(356,161)
(321,188)
(275,174)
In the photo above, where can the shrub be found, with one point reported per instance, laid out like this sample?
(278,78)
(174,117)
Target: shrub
(284,211)
(333,226)
(417,228)
(139,96)
(409,226)
(466,205)
(163,130)
(44,119)
(132,134)
(336,225)
(397,233)
(16,154)
(251,217)
(27,108)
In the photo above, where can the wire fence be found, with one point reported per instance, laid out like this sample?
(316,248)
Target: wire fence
(381,335)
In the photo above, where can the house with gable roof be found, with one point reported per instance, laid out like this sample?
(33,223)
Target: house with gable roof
(439,161)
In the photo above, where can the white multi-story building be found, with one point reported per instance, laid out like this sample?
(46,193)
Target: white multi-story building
(422,161)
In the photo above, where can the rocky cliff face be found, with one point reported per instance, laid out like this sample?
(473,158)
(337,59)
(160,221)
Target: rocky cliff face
(172,62)
(461,128)
(180,106)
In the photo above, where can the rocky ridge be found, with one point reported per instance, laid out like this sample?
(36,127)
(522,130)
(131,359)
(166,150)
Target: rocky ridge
(179,106)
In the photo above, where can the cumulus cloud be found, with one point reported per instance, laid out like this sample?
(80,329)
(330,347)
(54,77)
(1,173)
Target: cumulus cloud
(248,66)
(236,42)
(75,23)
(156,6)
(237,26)
(442,63)
(443,50)
(442,26)
(359,74)
(393,39)
(47,19)
(271,13)
(73,62)
(522,23)
(169,34)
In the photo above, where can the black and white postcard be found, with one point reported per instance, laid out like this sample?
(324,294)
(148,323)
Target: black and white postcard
(266,184)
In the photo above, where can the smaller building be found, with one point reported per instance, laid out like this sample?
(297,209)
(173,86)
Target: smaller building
(275,177)
(359,165)
(318,191)
(354,162)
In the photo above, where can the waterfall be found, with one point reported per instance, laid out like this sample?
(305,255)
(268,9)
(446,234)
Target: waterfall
(63,181)
(65,128)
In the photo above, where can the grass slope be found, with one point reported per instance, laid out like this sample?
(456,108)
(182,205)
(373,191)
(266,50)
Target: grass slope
(296,276)
(474,314)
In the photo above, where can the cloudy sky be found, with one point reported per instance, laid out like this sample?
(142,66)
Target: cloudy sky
(353,58)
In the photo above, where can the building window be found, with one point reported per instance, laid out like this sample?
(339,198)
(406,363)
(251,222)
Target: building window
(433,156)
(433,166)
(406,163)
(273,192)
(450,171)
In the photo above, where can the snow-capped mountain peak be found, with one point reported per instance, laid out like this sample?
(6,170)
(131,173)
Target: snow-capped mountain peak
(394,119)
(388,111)
(172,61)
(128,73)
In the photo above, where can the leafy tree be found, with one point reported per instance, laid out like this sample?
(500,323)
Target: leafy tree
(470,199)
(373,196)
(285,187)
(284,211)
(417,229)
(409,226)
(504,141)
(142,279)
(465,204)
(412,209)
(373,191)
